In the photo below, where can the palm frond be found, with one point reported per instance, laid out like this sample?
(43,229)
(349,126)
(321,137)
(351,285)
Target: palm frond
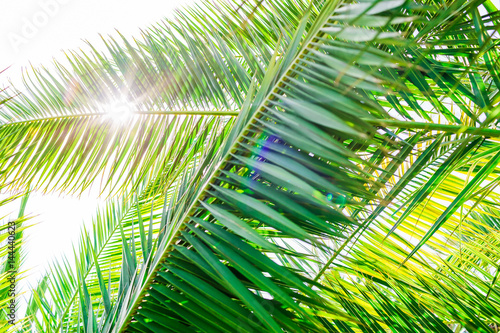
(135,219)
(58,130)
(355,191)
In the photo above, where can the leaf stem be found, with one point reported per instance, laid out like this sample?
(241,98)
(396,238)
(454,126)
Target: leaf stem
(141,113)
(458,129)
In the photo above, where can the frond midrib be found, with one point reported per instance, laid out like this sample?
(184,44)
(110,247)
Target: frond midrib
(135,113)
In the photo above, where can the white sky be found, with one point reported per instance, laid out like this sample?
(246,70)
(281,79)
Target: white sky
(36,31)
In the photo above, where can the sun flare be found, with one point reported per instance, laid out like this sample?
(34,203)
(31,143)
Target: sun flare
(119,111)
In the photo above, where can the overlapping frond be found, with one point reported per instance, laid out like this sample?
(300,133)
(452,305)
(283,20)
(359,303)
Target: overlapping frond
(356,191)
(135,219)
(310,142)
(278,187)
(455,267)
(62,130)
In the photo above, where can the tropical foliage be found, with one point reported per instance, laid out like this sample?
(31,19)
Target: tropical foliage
(291,166)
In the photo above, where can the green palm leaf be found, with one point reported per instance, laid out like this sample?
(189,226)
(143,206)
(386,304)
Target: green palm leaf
(355,191)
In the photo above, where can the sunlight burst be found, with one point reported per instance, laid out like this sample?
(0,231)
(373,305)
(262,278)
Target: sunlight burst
(119,111)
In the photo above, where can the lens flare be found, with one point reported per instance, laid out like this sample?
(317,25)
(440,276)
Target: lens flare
(119,111)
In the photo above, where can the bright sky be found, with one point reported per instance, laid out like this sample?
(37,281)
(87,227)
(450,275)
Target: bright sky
(38,30)
(35,31)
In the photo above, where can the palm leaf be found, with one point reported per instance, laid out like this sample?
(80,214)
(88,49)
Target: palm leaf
(161,75)
(335,203)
